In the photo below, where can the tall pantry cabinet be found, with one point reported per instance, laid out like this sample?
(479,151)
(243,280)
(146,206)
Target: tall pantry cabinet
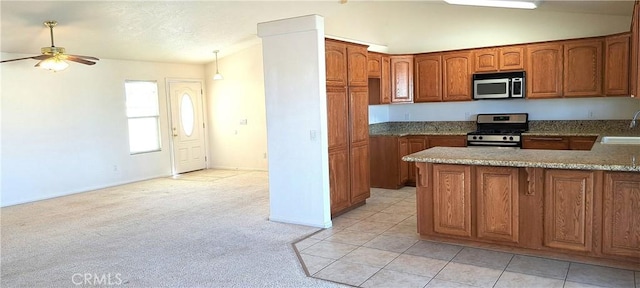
(348,124)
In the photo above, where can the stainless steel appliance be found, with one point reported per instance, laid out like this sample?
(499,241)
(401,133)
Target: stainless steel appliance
(507,85)
(499,130)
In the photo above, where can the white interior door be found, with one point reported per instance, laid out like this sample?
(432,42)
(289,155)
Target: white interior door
(187,126)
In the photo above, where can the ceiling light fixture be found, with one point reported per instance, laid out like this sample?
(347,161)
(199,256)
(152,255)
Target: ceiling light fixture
(54,64)
(218,76)
(520,4)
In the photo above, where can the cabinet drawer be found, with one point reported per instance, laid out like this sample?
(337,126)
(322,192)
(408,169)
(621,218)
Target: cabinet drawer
(545,142)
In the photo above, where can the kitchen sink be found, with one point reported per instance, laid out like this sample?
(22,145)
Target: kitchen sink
(620,140)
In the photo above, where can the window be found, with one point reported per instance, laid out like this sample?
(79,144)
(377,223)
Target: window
(144,115)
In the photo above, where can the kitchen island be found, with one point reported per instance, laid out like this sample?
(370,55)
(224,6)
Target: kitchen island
(578,205)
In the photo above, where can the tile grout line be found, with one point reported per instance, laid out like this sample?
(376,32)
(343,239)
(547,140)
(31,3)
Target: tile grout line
(504,269)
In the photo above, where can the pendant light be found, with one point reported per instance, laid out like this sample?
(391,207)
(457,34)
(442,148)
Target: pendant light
(218,76)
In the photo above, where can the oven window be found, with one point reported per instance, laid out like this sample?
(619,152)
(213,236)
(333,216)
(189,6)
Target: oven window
(491,88)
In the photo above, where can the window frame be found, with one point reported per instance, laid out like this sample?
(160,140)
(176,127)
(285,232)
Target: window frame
(155,116)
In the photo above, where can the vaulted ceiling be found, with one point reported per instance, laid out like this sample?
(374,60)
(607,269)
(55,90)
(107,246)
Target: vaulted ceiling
(188,31)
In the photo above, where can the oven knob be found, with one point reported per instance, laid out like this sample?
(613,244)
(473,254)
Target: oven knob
(480,137)
(511,138)
(474,137)
(504,138)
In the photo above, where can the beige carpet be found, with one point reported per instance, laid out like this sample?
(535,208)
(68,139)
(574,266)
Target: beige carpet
(203,229)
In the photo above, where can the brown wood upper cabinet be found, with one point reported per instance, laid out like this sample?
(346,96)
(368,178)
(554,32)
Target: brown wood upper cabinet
(499,59)
(335,56)
(583,68)
(544,70)
(380,87)
(401,79)
(428,78)
(457,67)
(357,65)
(374,65)
(616,69)
(635,48)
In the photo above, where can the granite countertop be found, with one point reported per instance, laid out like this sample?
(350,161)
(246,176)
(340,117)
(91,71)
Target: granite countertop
(609,157)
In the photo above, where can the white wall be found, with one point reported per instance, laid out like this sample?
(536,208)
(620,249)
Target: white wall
(66,132)
(602,108)
(240,96)
(295,93)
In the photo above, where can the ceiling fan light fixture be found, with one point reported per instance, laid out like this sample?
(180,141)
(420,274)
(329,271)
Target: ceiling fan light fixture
(217,76)
(54,64)
(519,4)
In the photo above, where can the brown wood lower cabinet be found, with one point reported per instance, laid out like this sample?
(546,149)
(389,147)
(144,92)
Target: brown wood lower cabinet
(568,209)
(621,214)
(497,203)
(387,168)
(558,142)
(574,214)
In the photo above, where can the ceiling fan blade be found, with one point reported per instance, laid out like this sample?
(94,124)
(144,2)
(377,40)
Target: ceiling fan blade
(39,57)
(85,57)
(79,60)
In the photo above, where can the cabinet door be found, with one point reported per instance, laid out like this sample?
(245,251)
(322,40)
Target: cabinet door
(403,149)
(416,144)
(568,214)
(486,60)
(357,65)
(511,58)
(616,73)
(428,78)
(452,199)
(337,118)
(497,203)
(582,68)
(359,166)
(358,114)
(544,71)
(335,56)
(374,65)
(401,79)
(635,49)
(621,211)
(339,180)
(457,76)
(385,80)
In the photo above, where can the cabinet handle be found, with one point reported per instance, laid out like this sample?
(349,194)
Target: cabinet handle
(547,139)
(531,181)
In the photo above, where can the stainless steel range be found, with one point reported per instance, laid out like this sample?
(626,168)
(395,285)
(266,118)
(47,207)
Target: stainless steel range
(499,130)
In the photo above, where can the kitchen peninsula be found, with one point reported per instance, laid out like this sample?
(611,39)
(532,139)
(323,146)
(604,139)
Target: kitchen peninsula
(582,205)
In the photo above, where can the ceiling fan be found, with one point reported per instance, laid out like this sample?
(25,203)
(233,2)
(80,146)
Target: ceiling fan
(53,58)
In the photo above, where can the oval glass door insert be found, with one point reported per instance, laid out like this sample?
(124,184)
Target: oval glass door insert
(187,116)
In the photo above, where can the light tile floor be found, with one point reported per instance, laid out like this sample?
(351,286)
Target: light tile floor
(376,245)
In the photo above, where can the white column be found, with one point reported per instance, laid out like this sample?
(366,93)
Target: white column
(295,95)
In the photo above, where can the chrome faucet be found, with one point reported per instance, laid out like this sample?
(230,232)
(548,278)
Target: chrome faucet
(633,121)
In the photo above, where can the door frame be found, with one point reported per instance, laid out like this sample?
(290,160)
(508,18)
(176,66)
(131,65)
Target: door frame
(203,99)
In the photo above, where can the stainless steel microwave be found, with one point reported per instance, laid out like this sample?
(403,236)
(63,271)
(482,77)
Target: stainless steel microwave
(506,85)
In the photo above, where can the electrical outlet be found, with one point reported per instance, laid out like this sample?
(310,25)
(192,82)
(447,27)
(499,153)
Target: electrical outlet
(407,116)
(313,135)
(467,115)
(243,121)
(115,168)
(264,155)
(591,114)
